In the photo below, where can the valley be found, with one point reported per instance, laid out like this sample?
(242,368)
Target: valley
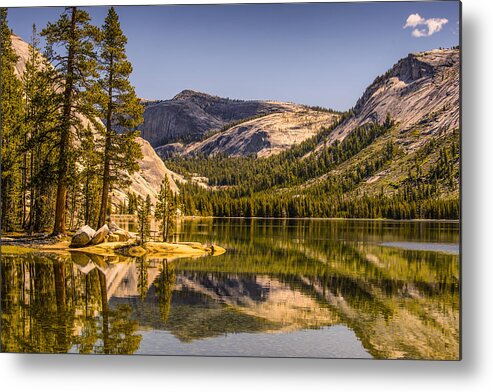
(395,154)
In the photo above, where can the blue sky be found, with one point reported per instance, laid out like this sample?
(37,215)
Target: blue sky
(315,54)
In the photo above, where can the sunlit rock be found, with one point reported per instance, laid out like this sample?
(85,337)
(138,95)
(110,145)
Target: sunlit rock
(100,235)
(82,236)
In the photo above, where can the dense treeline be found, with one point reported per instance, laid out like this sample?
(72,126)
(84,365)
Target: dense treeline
(404,205)
(59,162)
(302,183)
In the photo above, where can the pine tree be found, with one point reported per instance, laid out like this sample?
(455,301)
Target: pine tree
(11,125)
(70,48)
(121,110)
(143,218)
(165,209)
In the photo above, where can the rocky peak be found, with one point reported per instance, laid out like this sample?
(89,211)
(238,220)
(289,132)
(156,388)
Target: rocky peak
(420,92)
(411,68)
(189,115)
(414,69)
(191,94)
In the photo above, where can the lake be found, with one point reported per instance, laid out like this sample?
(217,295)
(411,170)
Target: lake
(284,288)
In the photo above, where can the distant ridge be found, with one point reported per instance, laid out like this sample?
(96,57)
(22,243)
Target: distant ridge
(190,114)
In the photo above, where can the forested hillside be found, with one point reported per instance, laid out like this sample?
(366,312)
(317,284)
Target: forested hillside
(394,155)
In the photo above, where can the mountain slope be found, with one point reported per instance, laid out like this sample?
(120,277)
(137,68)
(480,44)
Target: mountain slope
(190,114)
(266,135)
(420,92)
(194,123)
(147,181)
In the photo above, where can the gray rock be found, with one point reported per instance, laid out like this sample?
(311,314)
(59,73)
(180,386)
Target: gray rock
(82,236)
(420,92)
(248,128)
(113,238)
(100,235)
(171,120)
(169,150)
(123,235)
(112,227)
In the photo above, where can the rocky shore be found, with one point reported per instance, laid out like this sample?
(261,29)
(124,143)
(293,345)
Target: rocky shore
(108,240)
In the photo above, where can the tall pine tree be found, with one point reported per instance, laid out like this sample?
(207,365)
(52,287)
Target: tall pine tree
(144,208)
(70,48)
(165,209)
(120,108)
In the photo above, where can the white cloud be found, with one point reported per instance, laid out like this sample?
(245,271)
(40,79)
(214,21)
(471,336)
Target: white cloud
(413,20)
(419,33)
(433,25)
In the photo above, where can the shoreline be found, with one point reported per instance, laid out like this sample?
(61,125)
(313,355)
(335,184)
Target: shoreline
(321,218)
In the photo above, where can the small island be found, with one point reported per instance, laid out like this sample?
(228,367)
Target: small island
(110,240)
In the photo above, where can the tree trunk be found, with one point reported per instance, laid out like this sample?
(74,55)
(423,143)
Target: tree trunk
(86,200)
(24,186)
(5,203)
(107,147)
(106,185)
(104,311)
(32,197)
(61,194)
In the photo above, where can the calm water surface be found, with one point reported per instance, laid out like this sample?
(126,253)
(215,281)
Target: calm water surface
(295,288)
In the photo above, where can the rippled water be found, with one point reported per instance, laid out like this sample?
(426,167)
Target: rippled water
(296,288)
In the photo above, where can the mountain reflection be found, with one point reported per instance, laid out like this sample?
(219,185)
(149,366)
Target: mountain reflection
(277,276)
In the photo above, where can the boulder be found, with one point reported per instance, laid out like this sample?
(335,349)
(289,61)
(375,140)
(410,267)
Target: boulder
(113,227)
(100,235)
(82,236)
(113,238)
(123,235)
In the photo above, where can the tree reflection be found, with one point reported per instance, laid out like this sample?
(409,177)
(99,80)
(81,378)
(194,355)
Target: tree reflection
(276,275)
(164,287)
(400,303)
(49,307)
(142,276)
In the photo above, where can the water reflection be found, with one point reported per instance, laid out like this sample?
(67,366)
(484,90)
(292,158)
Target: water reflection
(51,305)
(278,276)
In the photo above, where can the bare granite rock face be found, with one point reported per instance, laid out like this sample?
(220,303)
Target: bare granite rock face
(147,181)
(420,92)
(267,135)
(191,114)
(169,150)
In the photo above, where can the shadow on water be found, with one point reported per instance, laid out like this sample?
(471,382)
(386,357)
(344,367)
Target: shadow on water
(279,280)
